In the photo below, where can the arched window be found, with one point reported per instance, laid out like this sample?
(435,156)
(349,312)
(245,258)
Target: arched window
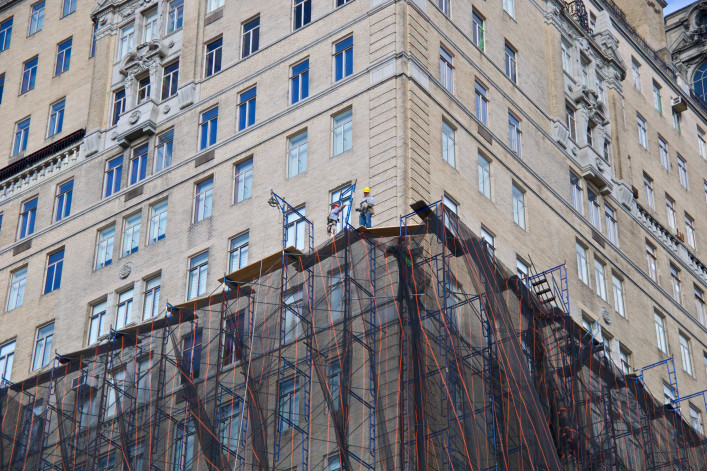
(699,82)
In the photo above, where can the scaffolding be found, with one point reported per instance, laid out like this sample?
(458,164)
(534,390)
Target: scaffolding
(406,347)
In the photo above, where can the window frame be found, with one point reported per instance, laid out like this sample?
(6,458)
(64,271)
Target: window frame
(511,62)
(6,33)
(617,288)
(514,134)
(243,180)
(158,221)
(250,29)
(164,147)
(175,16)
(247,107)
(342,58)
(29,74)
(131,234)
(199,265)
(519,206)
(304,16)
(449,143)
(642,126)
(55,123)
(137,170)
(152,292)
(104,255)
(53,271)
(18,282)
(481,103)
(484,175)
(170,80)
(446,69)
(62,200)
(113,174)
(43,346)
(213,54)
(119,105)
(36,17)
(98,313)
(478,29)
(238,247)
(208,128)
(661,333)
(582,263)
(22,133)
(27,218)
(342,120)
(299,81)
(203,194)
(63,51)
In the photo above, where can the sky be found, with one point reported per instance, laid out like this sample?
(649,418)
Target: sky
(676,5)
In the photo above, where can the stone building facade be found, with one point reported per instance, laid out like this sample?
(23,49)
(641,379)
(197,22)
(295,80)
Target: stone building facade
(558,131)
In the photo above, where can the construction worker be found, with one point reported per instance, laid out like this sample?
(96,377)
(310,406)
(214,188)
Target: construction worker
(366,208)
(332,219)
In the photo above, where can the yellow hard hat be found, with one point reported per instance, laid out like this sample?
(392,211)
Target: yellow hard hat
(366,190)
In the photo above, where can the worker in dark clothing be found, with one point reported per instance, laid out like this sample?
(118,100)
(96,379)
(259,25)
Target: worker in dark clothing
(366,208)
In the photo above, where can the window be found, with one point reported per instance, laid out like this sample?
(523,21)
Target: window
(150,28)
(343,58)
(675,283)
(127,38)
(28,215)
(299,81)
(297,154)
(5,34)
(444,6)
(514,134)
(599,89)
(215,4)
(296,228)
(686,354)
(652,262)
(446,71)
(104,247)
(690,231)
(208,128)
(636,74)
(97,322)
(29,75)
(175,16)
(570,122)
(342,132)
(509,6)
(448,143)
(618,291)
(68,7)
(36,19)
(170,80)
(118,105)
(668,394)
(566,58)
(625,360)
(302,14)
(518,206)
(676,121)
(670,209)
(246,108)
(21,136)
(213,56)
(163,150)
(229,424)
(93,40)
(612,227)
(158,222)
(184,446)
(582,268)
(600,278)
(576,193)
(700,306)
(203,200)
(151,305)
(334,381)
(482,104)
(42,350)
(138,164)
(251,37)
(648,190)
(191,354)
(56,118)
(198,268)
(664,156)
(238,252)
(63,57)
(131,234)
(17,288)
(342,2)
(484,166)
(289,404)
(594,209)
(511,63)
(682,171)
(293,313)
(701,144)
(243,181)
(642,131)
(125,309)
(522,270)
(112,176)
(477,30)
(453,208)
(696,420)
(660,332)
(55,265)
(657,99)
(584,65)
(2,86)
(7,354)
(234,336)
(490,240)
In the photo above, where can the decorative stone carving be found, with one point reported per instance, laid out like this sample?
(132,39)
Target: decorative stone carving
(134,116)
(91,143)
(145,57)
(560,133)
(606,315)
(166,109)
(124,271)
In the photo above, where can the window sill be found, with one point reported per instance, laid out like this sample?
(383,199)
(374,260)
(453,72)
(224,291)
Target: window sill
(347,151)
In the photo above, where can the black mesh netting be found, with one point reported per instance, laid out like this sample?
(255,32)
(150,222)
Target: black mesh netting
(377,351)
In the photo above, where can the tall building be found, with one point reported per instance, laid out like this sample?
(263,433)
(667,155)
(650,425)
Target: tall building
(142,139)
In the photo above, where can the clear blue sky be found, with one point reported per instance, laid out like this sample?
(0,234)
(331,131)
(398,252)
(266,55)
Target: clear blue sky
(676,5)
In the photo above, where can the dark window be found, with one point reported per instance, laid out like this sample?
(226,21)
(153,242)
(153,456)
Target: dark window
(213,56)
(251,37)
(302,13)
(191,355)
(343,58)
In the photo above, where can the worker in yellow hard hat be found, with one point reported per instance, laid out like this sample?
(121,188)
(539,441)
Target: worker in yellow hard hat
(366,208)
